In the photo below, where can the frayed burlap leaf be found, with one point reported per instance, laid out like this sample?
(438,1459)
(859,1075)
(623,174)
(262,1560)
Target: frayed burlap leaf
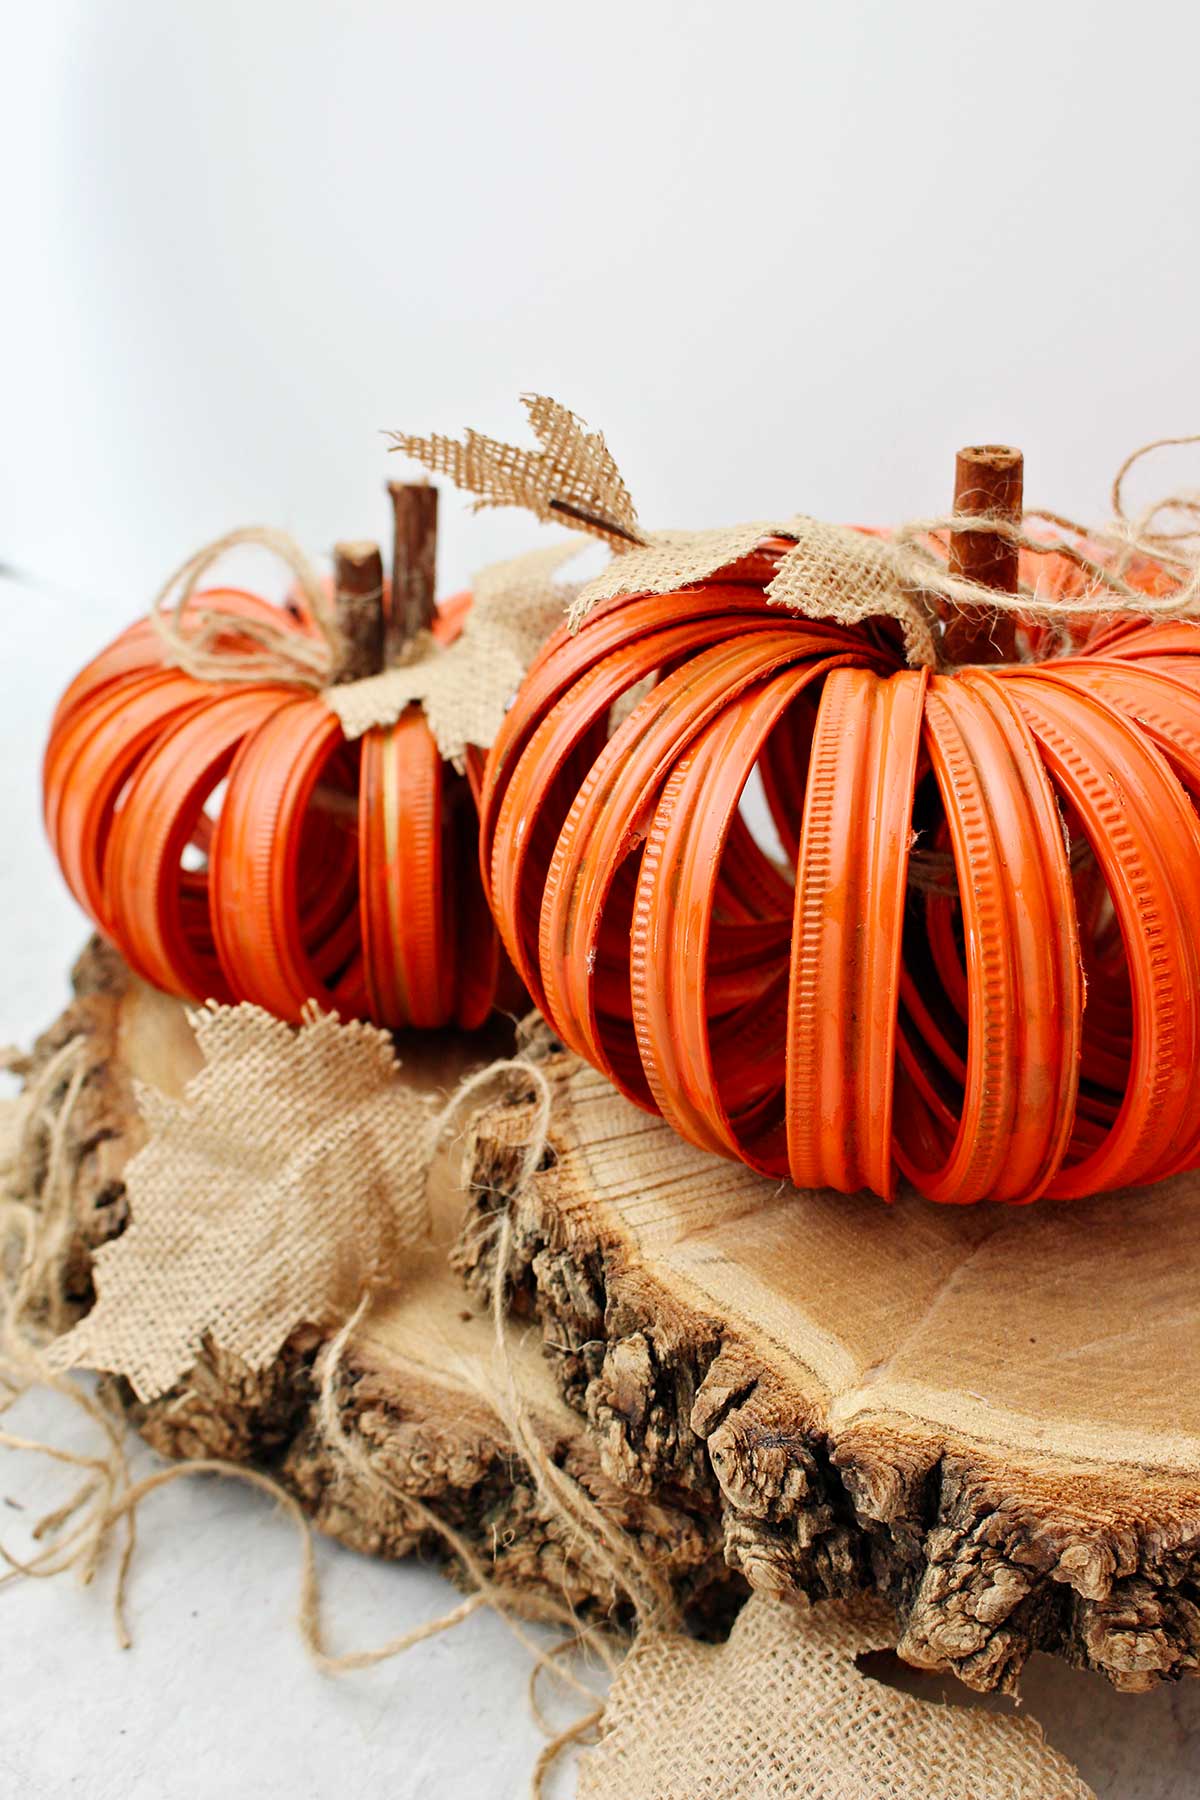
(848,576)
(290,1176)
(833,572)
(571,478)
(467,687)
(781,1711)
(673,559)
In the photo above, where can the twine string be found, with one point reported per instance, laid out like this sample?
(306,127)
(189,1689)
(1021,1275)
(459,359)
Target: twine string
(210,643)
(930,577)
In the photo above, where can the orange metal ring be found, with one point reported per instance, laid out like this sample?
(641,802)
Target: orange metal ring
(89,760)
(609,816)
(845,968)
(552,762)
(159,914)
(705,1044)
(403,894)
(843,1024)
(1022,959)
(1145,837)
(717,607)
(258,898)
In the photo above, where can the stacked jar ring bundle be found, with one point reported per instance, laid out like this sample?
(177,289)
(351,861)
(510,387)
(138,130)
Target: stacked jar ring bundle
(1028,1027)
(345,873)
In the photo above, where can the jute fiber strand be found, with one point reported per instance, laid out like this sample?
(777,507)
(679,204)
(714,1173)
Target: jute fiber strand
(211,817)
(833,571)
(463,687)
(33,1156)
(782,1710)
(289,1177)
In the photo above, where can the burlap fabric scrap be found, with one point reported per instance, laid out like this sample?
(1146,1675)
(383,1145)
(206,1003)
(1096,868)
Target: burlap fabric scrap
(289,1177)
(782,1710)
(831,572)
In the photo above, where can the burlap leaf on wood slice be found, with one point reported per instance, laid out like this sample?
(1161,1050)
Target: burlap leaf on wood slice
(290,1176)
(466,688)
(782,1709)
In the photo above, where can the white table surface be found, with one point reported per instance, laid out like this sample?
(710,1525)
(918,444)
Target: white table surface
(217,1696)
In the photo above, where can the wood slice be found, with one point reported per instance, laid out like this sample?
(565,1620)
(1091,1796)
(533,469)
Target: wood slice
(413,1381)
(988,1414)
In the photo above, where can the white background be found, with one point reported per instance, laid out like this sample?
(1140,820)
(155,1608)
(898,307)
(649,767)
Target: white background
(786,257)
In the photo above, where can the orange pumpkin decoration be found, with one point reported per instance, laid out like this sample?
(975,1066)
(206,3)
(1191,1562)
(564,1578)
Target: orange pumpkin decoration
(335,871)
(1008,1010)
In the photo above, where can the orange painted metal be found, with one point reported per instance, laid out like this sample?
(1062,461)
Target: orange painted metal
(1007,1134)
(851,880)
(233,846)
(975,964)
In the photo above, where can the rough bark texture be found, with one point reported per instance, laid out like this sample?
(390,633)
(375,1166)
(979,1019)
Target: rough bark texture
(359,605)
(414,566)
(104,1127)
(694,1331)
(412,1383)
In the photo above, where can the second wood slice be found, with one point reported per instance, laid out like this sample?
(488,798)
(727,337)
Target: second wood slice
(990,1414)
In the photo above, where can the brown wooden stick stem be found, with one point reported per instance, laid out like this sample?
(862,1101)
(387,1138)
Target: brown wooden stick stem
(596,521)
(358,600)
(988,479)
(414,566)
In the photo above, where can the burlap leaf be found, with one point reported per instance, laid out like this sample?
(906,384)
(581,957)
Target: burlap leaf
(781,1709)
(467,687)
(289,1176)
(833,572)
(572,478)
(673,559)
